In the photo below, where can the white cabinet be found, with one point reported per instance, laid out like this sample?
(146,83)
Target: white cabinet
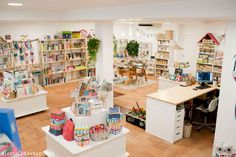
(164,120)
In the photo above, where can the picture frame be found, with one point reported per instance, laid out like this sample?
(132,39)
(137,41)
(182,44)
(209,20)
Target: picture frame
(82,109)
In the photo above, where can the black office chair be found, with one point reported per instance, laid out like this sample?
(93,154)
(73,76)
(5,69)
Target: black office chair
(211,107)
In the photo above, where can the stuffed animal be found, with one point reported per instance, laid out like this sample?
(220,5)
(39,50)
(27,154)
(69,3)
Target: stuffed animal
(68,130)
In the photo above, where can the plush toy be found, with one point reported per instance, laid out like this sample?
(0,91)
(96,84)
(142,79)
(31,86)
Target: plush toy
(68,130)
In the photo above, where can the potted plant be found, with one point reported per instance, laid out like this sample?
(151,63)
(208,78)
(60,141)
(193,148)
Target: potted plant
(93,46)
(137,116)
(132,48)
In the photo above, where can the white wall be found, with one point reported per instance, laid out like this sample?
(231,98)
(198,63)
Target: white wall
(226,120)
(191,33)
(40,29)
(132,31)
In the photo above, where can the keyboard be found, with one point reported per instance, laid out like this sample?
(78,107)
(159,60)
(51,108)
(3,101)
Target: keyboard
(202,87)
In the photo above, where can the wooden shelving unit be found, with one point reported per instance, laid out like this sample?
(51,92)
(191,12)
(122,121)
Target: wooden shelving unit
(209,60)
(162,56)
(65,60)
(6,56)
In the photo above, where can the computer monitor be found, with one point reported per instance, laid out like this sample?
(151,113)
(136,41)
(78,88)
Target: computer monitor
(204,77)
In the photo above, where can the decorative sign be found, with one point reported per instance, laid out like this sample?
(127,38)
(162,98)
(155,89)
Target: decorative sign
(234,69)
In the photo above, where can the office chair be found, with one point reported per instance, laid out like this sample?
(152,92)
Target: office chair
(211,107)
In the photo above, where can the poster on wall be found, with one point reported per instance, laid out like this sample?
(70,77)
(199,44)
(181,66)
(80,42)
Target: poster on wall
(234,69)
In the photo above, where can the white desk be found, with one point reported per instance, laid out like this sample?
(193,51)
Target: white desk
(164,83)
(26,105)
(163,119)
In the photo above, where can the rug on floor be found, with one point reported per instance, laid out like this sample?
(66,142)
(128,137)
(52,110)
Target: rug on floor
(135,86)
(122,109)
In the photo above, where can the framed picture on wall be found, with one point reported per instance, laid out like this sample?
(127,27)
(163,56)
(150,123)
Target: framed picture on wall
(7,37)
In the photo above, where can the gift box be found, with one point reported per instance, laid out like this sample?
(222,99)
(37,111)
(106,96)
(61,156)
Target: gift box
(66,34)
(115,120)
(58,115)
(81,135)
(76,34)
(99,132)
(57,122)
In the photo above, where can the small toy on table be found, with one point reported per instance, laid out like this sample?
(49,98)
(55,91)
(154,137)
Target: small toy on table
(81,135)
(99,132)
(57,122)
(114,120)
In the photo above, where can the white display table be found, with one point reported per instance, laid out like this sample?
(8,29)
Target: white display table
(98,116)
(115,146)
(57,146)
(26,105)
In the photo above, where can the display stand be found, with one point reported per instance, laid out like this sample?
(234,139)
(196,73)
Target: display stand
(26,105)
(115,146)
(57,146)
(98,117)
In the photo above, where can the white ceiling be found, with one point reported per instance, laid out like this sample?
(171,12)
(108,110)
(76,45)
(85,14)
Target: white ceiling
(133,10)
(68,5)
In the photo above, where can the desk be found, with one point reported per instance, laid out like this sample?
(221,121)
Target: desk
(164,83)
(163,118)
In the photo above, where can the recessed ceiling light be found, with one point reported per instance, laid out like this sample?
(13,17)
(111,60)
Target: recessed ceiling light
(15,4)
(167,23)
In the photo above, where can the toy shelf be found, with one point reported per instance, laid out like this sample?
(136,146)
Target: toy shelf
(67,55)
(208,59)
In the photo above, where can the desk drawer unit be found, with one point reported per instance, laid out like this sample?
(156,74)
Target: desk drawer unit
(179,124)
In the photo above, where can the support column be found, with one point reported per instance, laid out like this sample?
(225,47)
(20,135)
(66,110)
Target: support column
(104,65)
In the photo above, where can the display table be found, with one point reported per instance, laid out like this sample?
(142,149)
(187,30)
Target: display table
(57,146)
(26,105)
(98,116)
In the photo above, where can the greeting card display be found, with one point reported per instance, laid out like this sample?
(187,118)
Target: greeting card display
(99,132)
(81,135)
(115,120)
(81,108)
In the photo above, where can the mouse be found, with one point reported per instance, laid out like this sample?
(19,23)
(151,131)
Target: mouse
(194,88)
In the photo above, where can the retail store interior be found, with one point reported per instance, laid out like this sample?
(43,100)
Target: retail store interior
(110,79)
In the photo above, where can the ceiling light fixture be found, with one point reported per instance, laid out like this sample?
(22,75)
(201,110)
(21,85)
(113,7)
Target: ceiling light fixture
(15,4)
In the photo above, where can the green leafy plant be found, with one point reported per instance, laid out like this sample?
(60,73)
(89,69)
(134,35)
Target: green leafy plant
(132,48)
(114,46)
(93,46)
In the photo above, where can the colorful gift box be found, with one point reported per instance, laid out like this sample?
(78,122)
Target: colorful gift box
(99,132)
(115,120)
(59,115)
(57,122)
(81,135)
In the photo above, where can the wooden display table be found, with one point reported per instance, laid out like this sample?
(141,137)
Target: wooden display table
(26,105)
